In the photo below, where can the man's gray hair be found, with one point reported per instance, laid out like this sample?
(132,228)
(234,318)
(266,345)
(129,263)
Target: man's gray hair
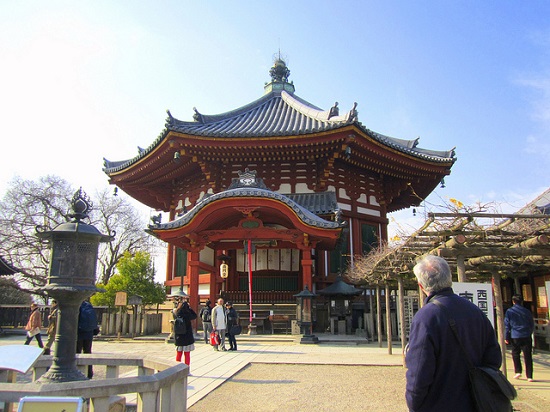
(433,273)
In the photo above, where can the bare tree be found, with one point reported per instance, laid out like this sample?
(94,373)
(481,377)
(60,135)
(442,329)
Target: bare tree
(26,205)
(46,202)
(115,215)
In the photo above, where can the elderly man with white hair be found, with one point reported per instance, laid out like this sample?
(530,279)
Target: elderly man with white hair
(437,371)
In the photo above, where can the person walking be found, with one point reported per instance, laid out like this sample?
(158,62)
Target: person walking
(87,328)
(206,316)
(52,327)
(33,326)
(219,323)
(232,320)
(520,325)
(185,342)
(437,373)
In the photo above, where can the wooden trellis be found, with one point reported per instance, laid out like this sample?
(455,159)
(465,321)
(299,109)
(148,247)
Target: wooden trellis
(479,247)
(512,245)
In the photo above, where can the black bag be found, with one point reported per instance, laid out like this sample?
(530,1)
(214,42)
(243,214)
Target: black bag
(180,328)
(491,390)
(236,330)
(206,315)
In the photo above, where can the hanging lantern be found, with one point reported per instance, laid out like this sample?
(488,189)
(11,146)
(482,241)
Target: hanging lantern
(224,270)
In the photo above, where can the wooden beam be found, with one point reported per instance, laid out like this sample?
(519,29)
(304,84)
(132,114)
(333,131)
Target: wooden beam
(472,252)
(489,215)
(532,242)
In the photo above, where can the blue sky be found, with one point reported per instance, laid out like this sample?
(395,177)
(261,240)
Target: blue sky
(82,81)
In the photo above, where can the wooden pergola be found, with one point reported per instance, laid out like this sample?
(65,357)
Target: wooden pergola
(479,247)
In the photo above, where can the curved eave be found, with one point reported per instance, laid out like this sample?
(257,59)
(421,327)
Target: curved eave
(164,149)
(224,210)
(301,215)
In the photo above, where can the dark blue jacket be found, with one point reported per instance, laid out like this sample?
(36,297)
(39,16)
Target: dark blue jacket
(519,322)
(437,373)
(87,321)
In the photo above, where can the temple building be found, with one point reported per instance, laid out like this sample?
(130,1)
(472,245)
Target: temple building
(277,193)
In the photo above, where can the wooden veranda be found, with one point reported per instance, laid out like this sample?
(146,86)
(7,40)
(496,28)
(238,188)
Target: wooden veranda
(479,247)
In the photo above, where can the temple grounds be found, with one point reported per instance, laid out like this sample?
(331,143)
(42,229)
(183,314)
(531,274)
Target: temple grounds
(274,373)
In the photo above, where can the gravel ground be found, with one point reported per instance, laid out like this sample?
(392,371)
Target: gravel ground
(293,387)
(282,387)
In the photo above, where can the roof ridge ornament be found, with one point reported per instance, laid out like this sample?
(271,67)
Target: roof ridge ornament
(279,77)
(279,72)
(353,114)
(247,179)
(197,116)
(334,111)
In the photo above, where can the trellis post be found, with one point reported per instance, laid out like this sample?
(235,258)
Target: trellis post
(388,319)
(379,316)
(461,269)
(500,319)
(401,294)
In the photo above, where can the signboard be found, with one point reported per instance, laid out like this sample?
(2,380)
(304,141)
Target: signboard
(121,299)
(480,294)
(135,300)
(50,404)
(20,358)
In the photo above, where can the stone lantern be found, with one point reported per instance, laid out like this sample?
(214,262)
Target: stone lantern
(305,315)
(71,279)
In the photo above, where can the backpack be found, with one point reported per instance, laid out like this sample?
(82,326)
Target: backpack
(87,318)
(180,328)
(206,315)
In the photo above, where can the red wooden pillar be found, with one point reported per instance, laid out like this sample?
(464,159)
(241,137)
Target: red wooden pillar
(170,262)
(307,264)
(194,262)
(170,256)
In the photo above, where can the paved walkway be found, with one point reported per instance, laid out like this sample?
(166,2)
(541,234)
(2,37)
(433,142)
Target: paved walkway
(209,369)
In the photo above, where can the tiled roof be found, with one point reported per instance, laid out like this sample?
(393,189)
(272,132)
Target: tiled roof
(322,203)
(339,287)
(277,113)
(305,215)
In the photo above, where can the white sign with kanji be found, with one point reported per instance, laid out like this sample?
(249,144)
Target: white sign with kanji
(480,294)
